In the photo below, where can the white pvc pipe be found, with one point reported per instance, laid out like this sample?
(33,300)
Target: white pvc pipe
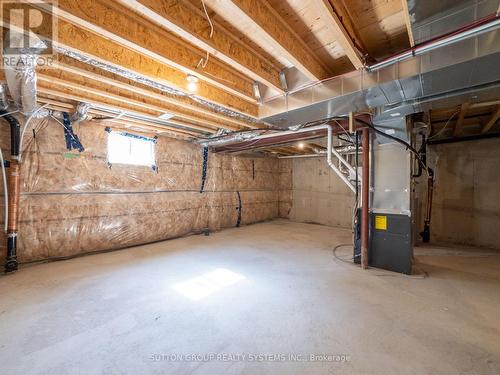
(343,161)
(330,162)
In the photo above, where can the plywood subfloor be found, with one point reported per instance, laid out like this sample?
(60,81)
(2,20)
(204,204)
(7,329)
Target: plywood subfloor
(276,289)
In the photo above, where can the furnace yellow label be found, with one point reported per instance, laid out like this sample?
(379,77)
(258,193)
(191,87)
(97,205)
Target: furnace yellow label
(381,222)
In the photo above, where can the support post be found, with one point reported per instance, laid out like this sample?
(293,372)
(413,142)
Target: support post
(365,187)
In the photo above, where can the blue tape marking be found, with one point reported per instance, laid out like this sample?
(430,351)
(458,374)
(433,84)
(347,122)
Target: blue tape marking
(204,169)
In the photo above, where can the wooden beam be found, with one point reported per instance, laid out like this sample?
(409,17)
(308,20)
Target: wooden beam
(492,121)
(269,25)
(69,66)
(187,21)
(103,89)
(332,14)
(117,98)
(78,96)
(460,121)
(406,15)
(119,59)
(115,22)
(125,123)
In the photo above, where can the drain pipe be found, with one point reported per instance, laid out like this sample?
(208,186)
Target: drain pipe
(365,197)
(14,182)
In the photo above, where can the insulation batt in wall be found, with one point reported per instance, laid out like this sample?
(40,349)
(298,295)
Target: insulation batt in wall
(73,203)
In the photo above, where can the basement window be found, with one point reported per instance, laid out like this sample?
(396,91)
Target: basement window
(131,149)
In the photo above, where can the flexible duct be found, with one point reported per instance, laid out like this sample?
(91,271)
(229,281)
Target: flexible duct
(80,113)
(20,72)
(14,190)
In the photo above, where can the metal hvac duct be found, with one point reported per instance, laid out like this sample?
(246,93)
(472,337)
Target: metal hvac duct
(20,72)
(467,61)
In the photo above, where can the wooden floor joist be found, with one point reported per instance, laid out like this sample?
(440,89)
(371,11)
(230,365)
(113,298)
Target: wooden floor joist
(115,22)
(128,96)
(185,20)
(275,31)
(340,26)
(125,123)
(74,67)
(492,121)
(71,94)
(109,53)
(406,15)
(457,131)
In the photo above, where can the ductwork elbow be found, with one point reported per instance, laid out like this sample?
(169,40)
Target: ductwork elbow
(20,73)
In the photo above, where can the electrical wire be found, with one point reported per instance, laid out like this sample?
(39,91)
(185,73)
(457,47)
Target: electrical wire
(350,260)
(9,113)
(64,126)
(345,131)
(26,126)
(204,61)
(444,128)
(345,260)
(6,192)
(399,140)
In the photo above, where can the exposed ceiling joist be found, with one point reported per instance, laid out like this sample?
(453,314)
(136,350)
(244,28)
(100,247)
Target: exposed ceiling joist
(125,92)
(492,121)
(339,24)
(60,92)
(95,48)
(76,68)
(406,14)
(258,15)
(125,123)
(183,19)
(50,81)
(115,22)
(460,122)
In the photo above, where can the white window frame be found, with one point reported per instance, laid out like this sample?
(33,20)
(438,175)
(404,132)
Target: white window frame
(130,149)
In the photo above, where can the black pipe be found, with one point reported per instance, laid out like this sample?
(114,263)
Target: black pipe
(15,132)
(423,152)
(15,140)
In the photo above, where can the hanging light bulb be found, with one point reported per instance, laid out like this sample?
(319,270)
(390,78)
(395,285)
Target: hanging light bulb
(301,145)
(192,85)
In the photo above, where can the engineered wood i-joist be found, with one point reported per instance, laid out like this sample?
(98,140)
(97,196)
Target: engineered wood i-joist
(337,22)
(107,52)
(116,22)
(492,121)
(185,20)
(69,65)
(260,17)
(104,89)
(47,81)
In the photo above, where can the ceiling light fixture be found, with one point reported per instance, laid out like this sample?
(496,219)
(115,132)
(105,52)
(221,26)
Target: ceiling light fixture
(192,85)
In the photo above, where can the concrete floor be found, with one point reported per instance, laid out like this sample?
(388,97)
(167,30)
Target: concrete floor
(265,289)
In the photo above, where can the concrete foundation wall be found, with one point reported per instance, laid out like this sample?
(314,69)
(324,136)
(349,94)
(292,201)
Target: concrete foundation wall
(466,207)
(74,203)
(319,195)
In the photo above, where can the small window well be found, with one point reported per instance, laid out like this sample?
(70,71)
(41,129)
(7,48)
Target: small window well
(131,149)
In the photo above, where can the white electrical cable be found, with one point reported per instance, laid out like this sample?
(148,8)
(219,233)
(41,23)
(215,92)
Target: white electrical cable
(6,114)
(6,193)
(26,127)
(204,61)
(445,126)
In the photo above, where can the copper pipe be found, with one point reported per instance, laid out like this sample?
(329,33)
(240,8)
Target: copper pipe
(365,196)
(13,206)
